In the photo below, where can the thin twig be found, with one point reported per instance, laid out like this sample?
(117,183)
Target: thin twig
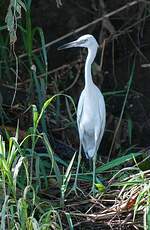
(70,65)
(138,50)
(16,73)
(122,112)
(74,82)
(102,55)
(128,5)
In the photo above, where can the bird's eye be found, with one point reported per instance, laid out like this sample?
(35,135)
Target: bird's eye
(85,40)
(82,42)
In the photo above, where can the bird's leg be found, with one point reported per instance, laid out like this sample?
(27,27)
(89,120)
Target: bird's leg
(94,175)
(75,187)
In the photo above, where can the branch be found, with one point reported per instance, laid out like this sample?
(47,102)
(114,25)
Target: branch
(89,24)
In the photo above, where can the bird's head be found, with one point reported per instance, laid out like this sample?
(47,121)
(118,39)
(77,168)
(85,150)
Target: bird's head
(86,41)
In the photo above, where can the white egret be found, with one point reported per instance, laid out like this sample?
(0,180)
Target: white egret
(91,113)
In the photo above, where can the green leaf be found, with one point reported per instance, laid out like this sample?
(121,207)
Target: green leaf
(67,175)
(100,187)
(69,221)
(35,115)
(148,218)
(16,170)
(130,127)
(22,4)
(117,162)
(48,102)
(51,156)
(4,213)
(22,208)
(33,224)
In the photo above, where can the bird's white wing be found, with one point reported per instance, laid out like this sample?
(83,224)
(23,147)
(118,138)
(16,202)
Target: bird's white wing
(80,108)
(102,118)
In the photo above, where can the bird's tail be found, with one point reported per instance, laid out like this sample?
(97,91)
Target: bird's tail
(90,153)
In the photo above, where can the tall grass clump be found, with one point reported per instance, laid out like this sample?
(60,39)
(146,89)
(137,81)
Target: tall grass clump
(22,37)
(36,183)
(22,172)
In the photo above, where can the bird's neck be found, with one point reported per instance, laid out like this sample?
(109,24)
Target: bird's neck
(89,60)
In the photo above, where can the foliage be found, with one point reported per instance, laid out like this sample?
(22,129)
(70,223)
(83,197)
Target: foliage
(21,184)
(35,181)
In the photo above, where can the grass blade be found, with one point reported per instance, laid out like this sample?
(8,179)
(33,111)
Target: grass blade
(117,162)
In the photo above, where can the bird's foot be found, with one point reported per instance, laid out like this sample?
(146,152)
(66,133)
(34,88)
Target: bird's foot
(93,191)
(75,189)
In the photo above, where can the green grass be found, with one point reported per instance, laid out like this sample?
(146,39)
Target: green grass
(34,185)
(24,174)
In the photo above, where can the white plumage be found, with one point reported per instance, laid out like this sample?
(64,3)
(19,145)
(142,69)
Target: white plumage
(91,118)
(91,113)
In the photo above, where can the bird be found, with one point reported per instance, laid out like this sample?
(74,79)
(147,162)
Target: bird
(91,109)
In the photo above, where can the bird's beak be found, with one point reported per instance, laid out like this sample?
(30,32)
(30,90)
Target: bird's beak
(68,45)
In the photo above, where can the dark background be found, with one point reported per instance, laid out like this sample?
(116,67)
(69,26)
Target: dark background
(124,37)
